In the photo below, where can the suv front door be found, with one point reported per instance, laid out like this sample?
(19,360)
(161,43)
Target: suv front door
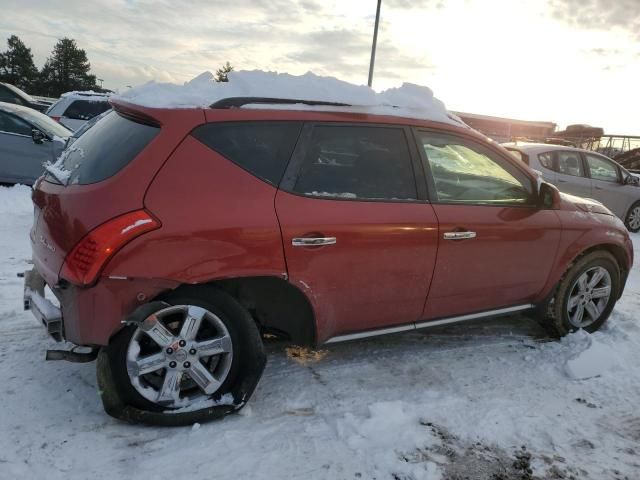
(360,237)
(496,246)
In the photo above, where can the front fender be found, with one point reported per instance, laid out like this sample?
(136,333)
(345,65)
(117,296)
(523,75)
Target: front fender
(580,235)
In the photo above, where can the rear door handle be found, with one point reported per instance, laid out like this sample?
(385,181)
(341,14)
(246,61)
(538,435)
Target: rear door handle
(313,241)
(459,235)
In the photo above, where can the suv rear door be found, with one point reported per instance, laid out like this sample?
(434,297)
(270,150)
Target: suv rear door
(571,177)
(359,235)
(497,246)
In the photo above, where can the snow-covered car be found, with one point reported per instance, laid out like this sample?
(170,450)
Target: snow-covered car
(28,139)
(12,94)
(586,174)
(75,108)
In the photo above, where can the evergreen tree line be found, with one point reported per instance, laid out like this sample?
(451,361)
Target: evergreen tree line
(66,69)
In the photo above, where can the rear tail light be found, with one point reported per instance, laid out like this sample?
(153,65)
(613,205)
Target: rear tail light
(83,265)
(57,119)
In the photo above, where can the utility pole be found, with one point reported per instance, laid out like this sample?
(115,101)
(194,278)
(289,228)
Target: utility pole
(375,43)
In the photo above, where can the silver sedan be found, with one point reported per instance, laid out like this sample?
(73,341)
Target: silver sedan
(28,139)
(586,174)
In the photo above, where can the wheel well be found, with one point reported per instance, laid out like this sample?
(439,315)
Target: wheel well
(277,306)
(618,253)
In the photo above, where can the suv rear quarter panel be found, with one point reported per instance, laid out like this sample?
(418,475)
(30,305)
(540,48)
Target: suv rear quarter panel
(218,221)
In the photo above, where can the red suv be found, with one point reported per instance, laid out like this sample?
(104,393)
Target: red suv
(174,239)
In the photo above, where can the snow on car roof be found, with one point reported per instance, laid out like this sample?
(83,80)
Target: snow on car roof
(409,100)
(97,96)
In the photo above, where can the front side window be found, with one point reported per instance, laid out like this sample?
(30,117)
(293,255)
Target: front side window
(357,162)
(569,163)
(601,169)
(464,172)
(12,124)
(86,109)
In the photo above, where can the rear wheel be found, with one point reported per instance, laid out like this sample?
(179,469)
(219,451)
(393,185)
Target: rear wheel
(199,351)
(632,221)
(586,295)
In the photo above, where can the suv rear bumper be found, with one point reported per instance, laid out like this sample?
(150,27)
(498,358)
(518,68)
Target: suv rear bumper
(89,316)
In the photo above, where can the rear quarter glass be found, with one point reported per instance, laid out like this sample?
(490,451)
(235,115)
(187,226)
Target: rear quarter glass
(105,149)
(261,148)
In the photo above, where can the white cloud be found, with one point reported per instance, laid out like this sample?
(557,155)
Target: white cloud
(560,60)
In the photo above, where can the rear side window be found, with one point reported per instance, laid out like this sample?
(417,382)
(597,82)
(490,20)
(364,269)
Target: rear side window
(546,160)
(85,109)
(106,149)
(262,148)
(570,163)
(352,162)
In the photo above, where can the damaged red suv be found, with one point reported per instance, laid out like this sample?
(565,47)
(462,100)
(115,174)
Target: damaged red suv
(174,239)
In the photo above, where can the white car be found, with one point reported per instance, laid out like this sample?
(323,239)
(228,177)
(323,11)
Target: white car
(586,174)
(75,108)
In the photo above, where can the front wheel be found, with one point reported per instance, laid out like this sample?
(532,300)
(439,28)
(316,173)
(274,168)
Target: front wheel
(587,294)
(193,357)
(632,221)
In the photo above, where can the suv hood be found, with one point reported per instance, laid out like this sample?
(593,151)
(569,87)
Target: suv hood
(588,205)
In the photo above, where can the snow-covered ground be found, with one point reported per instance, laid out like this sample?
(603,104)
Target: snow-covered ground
(483,400)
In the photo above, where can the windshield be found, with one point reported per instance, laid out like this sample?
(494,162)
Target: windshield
(44,123)
(19,92)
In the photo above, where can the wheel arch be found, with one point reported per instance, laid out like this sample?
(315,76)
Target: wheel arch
(277,306)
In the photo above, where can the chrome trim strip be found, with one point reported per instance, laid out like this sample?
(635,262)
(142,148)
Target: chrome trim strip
(432,323)
(370,333)
(473,316)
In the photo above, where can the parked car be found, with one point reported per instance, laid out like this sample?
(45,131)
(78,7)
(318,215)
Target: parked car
(28,139)
(87,125)
(182,235)
(12,94)
(75,108)
(586,174)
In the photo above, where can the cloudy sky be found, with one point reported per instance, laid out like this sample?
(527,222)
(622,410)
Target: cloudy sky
(567,61)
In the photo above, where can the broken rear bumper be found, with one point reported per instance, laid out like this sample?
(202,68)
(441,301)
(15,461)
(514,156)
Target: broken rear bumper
(44,310)
(89,316)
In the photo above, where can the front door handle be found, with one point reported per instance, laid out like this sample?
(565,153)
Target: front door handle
(459,235)
(313,241)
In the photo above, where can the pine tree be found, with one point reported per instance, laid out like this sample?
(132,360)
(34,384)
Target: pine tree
(222,72)
(66,69)
(16,65)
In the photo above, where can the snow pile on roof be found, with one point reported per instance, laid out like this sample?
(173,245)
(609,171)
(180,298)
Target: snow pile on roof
(87,93)
(409,100)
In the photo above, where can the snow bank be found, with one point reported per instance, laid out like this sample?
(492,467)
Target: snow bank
(409,100)
(590,356)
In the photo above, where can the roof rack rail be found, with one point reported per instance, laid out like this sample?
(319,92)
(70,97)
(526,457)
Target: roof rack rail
(237,102)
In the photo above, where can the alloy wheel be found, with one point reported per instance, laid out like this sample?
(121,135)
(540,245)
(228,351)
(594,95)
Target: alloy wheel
(588,297)
(179,355)
(634,218)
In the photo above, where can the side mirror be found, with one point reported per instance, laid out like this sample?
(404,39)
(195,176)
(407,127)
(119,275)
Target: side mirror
(631,180)
(37,136)
(548,196)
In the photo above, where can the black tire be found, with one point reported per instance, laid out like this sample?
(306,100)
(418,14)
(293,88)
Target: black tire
(557,320)
(628,217)
(123,401)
